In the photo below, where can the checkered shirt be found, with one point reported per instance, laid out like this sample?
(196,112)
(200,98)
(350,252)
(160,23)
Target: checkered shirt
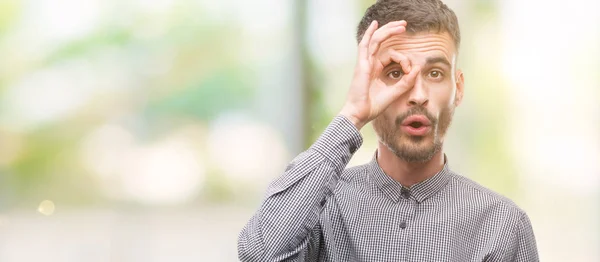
(319,210)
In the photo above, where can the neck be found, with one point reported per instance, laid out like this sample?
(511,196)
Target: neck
(408,173)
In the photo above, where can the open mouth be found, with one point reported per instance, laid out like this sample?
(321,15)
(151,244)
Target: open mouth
(416,121)
(416,124)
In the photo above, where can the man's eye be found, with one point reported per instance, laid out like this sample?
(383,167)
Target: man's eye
(396,74)
(435,74)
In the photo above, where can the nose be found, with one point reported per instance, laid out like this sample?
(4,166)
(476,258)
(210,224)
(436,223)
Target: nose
(418,95)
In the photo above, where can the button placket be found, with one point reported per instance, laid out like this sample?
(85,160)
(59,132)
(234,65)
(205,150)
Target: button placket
(404,231)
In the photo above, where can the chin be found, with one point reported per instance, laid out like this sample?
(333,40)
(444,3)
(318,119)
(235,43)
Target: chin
(417,141)
(415,149)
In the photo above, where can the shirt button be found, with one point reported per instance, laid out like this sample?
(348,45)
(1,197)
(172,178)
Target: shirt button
(405,193)
(403,224)
(290,166)
(353,149)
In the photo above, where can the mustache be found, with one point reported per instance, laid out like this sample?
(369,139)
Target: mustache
(417,110)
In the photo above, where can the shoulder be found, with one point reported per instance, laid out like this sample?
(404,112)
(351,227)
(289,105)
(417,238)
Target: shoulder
(477,196)
(354,175)
(351,172)
(354,178)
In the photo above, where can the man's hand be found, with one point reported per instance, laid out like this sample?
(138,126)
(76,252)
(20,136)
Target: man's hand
(369,95)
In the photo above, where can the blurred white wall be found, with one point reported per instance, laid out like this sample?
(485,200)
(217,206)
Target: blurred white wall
(551,58)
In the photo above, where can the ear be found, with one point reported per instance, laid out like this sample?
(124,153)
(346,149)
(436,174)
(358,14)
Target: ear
(460,87)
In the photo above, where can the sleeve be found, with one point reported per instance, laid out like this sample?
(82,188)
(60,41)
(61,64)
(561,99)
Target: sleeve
(526,245)
(285,227)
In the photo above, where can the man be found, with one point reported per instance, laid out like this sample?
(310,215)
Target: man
(406,204)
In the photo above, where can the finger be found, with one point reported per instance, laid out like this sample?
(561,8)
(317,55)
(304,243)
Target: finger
(383,35)
(390,94)
(385,32)
(387,95)
(363,47)
(391,25)
(406,82)
(401,59)
(392,56)
(376,69)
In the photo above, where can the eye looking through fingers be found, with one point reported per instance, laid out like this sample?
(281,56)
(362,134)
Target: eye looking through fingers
(395,73)
(395,65)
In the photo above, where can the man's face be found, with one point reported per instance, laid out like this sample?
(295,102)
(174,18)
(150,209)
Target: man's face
(413,127)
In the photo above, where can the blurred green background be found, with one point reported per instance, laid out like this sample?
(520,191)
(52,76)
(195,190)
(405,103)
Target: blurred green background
(148,130)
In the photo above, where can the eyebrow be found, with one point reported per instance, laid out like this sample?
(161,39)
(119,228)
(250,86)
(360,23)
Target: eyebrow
(393,63)
(438,59)
(429,61)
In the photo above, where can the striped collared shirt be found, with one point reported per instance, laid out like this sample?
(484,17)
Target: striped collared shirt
(319,210)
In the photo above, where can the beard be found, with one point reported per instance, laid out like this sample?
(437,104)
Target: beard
(413,149)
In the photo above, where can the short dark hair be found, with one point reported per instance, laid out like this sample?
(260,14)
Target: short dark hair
(420,15)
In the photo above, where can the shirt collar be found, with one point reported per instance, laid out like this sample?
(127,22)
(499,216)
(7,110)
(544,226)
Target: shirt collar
(419,192)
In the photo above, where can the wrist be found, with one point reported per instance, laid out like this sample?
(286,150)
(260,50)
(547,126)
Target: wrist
(354,120)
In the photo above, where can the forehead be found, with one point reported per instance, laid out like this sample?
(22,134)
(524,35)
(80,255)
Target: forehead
(420,46)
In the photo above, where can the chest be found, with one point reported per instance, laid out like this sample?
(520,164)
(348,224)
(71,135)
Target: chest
(371,227)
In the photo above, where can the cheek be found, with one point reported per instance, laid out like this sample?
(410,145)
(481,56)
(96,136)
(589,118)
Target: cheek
(452,99)
(445,96)
(389,117)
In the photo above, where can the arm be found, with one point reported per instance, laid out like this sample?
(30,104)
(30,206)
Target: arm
(517,243)
(526,245)
(285,225)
